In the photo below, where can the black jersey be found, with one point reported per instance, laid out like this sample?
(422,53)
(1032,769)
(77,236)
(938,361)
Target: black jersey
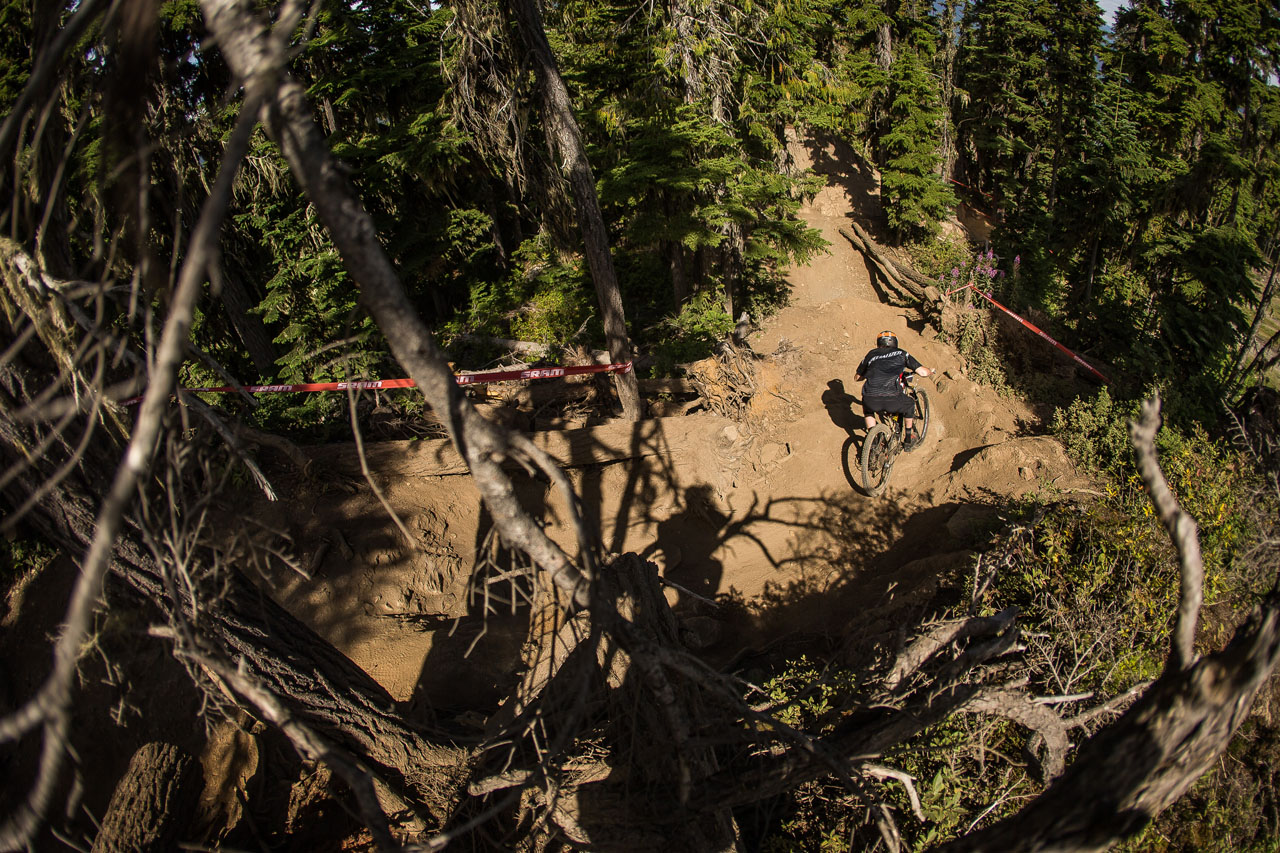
(881,368)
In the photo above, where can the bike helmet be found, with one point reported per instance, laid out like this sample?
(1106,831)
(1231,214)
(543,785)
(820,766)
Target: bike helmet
(887,339)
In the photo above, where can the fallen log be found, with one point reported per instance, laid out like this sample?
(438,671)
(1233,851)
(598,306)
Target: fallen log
(906,284)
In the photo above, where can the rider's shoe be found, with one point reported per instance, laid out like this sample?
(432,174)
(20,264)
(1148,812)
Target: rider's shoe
(912,441)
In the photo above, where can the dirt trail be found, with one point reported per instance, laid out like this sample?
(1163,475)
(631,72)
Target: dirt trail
(759,512)
(754,522)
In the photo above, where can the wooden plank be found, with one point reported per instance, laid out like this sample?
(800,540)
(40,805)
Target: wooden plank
(612,442)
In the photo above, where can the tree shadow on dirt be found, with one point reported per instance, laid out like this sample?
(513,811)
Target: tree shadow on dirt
(845,555)
(839,555)
(843,167)
(335,558)
(474,659)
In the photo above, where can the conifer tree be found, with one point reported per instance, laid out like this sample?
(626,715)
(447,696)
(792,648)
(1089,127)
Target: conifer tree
(914,196)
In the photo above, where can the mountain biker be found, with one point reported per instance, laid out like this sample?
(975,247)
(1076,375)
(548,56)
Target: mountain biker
(882,391)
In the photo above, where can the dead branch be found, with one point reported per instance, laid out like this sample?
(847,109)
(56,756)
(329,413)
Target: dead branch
(368,475)
(1135,768)
(1114,705)
(1182,531)
(52,702)
(925,647)
(907,781)
(1017,706)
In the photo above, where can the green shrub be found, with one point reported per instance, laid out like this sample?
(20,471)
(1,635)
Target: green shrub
(972,335)
(552,314)
(807,696)
(693,332)
(20,555)
(935,258)
(1095,432)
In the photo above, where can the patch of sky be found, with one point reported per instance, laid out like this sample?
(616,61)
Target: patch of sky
(1109,9)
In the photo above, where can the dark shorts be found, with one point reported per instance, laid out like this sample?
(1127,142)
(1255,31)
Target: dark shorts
(899,404)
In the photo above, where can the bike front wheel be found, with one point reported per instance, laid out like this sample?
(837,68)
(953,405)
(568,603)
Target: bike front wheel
(877,459)
(922,413)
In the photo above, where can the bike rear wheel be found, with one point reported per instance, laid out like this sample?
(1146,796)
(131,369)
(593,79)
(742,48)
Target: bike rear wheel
(877,459)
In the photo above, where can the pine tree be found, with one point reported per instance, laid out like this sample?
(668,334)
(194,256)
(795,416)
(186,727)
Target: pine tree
(914,196)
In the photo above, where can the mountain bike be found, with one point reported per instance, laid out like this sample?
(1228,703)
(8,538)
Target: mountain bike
(885,440)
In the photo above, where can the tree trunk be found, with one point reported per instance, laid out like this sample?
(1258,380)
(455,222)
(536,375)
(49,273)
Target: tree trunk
(679,278)
(566,139)
(248,326)
(884,46)
(152,802)
(950,48)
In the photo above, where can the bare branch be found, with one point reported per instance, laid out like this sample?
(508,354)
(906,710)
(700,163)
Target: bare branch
(926,646)
(908,782)
(1182,530)
(52,702)
(1018,707)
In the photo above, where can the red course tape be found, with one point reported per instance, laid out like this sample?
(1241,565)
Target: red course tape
(1077,359)
(379,384)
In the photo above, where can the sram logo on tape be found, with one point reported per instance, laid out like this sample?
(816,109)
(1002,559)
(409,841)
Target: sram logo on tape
(542,373)
(371,383)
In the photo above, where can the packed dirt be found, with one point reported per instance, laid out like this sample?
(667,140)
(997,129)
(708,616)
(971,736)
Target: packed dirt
(753,516)
(757,522)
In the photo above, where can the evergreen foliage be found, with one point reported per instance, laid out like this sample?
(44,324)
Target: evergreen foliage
(911,187)
(1135,177)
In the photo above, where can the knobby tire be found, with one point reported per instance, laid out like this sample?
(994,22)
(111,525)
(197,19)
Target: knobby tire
(922,414)
(877,459)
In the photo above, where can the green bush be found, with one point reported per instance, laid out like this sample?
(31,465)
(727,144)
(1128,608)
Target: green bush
(935,258)
(1095,432)
(692,333)
(20,555)
(972,334)
(552,314)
